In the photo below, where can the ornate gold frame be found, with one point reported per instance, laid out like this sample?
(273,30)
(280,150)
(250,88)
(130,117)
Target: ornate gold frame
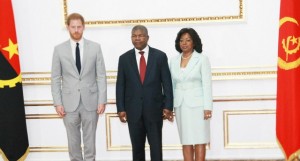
(110,147)
(239,16)
(239,145)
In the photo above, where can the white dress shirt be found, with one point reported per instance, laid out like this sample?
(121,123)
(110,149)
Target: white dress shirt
(138,55)
(73,47)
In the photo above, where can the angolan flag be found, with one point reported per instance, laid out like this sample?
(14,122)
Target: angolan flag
(13,133)
(288,80)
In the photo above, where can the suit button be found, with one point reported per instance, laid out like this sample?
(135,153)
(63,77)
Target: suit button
(78,90)
(141,98)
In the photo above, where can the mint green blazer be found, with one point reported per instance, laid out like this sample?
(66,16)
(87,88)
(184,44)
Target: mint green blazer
(193,86)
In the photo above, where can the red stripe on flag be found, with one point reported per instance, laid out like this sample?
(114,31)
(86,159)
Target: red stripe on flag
(13,132)
(7,30)
(288,79)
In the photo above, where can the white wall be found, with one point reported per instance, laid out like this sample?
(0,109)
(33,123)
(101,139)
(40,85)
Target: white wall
(243,54)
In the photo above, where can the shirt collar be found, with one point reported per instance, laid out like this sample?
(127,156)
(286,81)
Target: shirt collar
(73,43)
(145,50)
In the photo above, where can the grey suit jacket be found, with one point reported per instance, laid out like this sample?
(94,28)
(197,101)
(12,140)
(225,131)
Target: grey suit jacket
(68,86)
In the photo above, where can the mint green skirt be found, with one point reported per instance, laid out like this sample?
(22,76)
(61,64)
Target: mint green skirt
(192,127)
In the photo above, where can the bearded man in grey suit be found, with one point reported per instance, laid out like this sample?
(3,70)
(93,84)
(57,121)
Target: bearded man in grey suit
(79,88)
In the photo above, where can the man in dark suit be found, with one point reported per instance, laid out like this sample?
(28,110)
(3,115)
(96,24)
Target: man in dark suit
(144,94)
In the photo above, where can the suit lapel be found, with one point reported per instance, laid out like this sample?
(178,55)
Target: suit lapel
(150,62)
(177,67)
(191,64)
(71,56)
(85,55)
(133,64)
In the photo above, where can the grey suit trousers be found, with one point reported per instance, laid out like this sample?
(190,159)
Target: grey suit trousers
(88,121)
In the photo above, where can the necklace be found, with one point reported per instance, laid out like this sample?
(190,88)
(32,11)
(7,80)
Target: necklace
(186,57)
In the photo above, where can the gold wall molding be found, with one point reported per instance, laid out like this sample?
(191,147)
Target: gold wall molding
(50,102)
(244,98)
(244,75)
(42,116)
(110,147)
(240,145)
(44,78)
(49,149)
(215,99)
(38,102)
(196,19)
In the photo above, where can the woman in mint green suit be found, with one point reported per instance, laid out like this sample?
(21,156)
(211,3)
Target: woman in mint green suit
(192,87)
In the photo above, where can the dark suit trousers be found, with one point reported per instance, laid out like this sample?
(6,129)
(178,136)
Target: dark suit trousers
(139,131)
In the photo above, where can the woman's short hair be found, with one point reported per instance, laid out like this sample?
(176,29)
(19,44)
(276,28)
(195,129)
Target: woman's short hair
(195,37)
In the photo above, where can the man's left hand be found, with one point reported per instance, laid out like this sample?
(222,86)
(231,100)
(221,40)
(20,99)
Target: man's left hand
(167,114)
(101,109)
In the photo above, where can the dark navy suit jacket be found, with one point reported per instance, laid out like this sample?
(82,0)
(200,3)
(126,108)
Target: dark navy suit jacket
(147,99)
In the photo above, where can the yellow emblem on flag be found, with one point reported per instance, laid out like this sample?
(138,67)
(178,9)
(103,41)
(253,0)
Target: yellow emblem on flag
(287,42)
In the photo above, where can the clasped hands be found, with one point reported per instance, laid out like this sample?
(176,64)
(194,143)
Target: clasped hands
(167,114)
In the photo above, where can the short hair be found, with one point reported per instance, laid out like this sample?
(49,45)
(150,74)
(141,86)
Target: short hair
(195,37)
(140,27)
(74,16)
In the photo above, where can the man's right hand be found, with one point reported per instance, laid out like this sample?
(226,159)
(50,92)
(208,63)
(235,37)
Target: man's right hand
(122,116)
(60,110)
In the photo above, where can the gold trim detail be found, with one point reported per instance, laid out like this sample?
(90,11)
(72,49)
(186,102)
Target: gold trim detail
(244,75)
(293,157)
(20,159)
(240,145)
(44,78)
(42,116)
(49,149)
(245,98)
(38,103)
(239,16)
(50,102)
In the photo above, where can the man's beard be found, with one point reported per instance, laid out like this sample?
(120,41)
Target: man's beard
(76,36)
